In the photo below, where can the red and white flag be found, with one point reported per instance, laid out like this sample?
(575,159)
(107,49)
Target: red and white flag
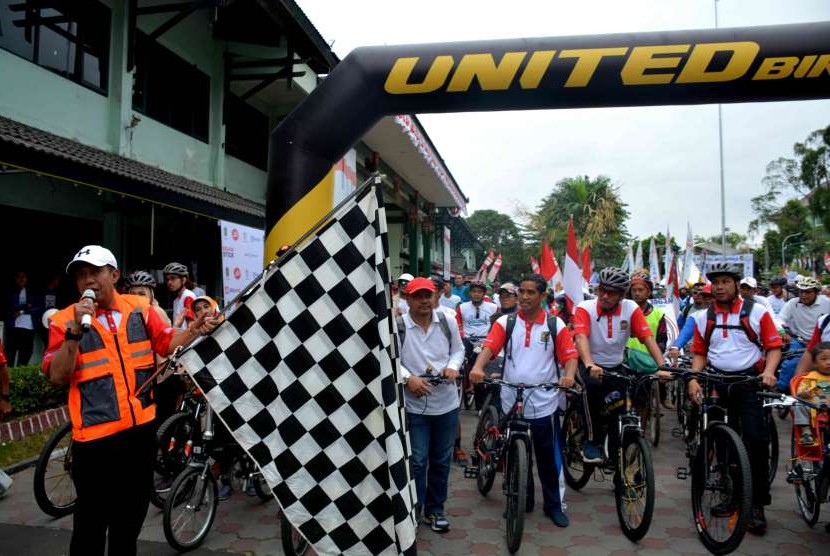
(827,260)
(494,270)
(573,275)
(548,267)
(482,271)
(534,266)
(586,264)
(673,297)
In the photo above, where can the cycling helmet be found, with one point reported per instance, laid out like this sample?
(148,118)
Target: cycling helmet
(778,281)
(808,283)
(723,269)
(141,278)
(642,277)
(176,268)
(614,278)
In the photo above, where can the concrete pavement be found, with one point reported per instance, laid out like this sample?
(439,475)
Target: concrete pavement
(246,525)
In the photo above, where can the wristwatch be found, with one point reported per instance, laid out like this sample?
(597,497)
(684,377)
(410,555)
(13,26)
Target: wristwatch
(70,336)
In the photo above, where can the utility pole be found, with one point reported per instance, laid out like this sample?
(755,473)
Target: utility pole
(720,144)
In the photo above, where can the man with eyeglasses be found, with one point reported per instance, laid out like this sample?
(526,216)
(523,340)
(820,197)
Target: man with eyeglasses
(602,327)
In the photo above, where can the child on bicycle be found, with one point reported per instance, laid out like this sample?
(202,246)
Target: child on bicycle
(814,387)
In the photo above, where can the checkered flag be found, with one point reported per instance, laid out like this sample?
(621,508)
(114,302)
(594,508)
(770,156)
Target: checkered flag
(303,373)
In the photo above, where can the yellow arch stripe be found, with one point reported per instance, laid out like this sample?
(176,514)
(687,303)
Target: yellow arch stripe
(301,217)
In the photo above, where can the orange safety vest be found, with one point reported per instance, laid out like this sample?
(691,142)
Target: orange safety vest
(109,370)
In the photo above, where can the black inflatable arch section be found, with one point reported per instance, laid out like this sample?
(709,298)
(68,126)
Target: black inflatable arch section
(786,62)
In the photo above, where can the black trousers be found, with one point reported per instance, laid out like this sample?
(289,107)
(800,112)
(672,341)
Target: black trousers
(112,477)
(593,400)
(19,343)
(746,415)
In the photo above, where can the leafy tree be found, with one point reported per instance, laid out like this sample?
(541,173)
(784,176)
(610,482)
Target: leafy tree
(499,232)
(599,218)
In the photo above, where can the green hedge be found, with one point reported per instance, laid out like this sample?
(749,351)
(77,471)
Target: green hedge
(31,392)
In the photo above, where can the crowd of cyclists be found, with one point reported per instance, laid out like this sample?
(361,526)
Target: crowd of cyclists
(522,334)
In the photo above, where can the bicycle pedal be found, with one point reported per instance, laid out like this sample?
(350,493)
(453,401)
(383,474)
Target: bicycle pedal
(471,472)
(682,473)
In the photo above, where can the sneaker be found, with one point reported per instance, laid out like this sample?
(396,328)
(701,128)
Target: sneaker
(225,492)
(807,438)
(559,518)
(437,523)
(757,521)
(591,453)
(460,457)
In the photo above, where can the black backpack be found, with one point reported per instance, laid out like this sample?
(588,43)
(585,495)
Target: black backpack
(823,325)
(743,316)
(511,324)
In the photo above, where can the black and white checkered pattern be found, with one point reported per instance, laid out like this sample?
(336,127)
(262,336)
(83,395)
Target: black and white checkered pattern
(303,374)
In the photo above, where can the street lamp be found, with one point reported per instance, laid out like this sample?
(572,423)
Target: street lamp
(784,243)
(720,149)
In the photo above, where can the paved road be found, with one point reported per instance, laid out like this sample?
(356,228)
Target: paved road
(245,525)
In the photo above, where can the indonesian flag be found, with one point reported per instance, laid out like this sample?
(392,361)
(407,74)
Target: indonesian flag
(548,267)
(534,266)
(827,260)
(482,272)
(573,275)
(586,264)
(494,270)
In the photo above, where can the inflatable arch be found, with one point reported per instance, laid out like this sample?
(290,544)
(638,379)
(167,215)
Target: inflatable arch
(786,62)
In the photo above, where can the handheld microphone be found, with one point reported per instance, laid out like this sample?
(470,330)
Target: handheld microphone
(86,320)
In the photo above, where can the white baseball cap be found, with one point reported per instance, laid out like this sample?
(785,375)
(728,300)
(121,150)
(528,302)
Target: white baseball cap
(94,255)
(749,281)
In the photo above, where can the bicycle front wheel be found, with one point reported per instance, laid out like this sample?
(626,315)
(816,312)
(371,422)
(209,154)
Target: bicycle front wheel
(574,429)
(721,489)
(806,486)
(772,441)
(485,447)
(634,487)
(515,483)
(655,410)
(190,508)
(54,490)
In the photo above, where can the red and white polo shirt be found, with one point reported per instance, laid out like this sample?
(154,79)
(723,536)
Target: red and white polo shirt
(608,332)
(729,348)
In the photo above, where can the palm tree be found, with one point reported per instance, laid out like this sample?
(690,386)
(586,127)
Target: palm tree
(598,212)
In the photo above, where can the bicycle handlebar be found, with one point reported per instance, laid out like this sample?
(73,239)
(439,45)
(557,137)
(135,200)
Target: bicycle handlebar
(787,400)
(517,385)
(687,374)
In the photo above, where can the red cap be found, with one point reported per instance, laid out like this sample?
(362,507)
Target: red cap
(418,284)
(707,289)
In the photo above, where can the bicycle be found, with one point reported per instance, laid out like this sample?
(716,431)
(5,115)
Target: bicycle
(810,472)
(466,389)
(720,471)
(626,456)
(54,490)
(506,445)
(191,505)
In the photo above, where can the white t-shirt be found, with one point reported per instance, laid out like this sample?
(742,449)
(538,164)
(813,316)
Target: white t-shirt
(181,304)
(450,302)
(776,303)
(608,334)
(476,318)
(800,318)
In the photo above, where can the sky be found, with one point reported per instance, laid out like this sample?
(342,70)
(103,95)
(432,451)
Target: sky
(664,159)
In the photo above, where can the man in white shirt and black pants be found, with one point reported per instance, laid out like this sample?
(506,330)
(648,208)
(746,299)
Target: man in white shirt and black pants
(430,345)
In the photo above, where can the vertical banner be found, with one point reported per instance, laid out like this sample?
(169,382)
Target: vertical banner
(345,177)
(447,253)
(242,248)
